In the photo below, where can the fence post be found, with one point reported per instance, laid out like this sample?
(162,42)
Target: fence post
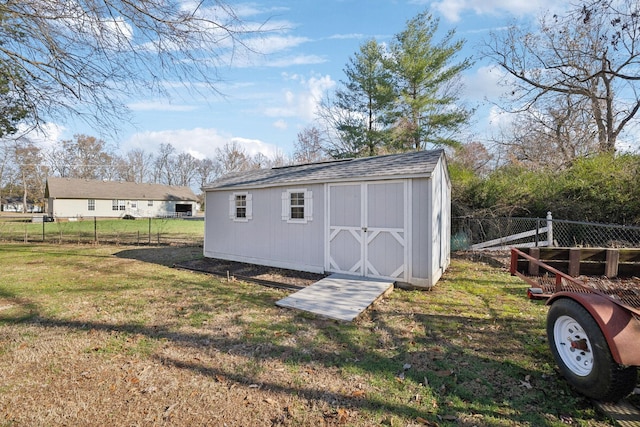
(549,229)
(149,231)
(95,229)
(44,220)
(537,238)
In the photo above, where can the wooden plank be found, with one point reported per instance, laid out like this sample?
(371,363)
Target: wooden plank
(611,266)
(574,262)
(502,240)
(623,413)
(534,268)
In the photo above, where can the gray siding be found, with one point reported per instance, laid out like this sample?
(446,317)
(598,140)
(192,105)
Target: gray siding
(266,238)
(421,228)
(441,227)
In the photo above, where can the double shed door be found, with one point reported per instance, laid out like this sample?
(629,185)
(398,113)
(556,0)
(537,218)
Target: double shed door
(367,229)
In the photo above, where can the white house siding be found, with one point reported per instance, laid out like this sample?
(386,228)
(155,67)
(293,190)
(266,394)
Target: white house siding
(266,238)
(74,208)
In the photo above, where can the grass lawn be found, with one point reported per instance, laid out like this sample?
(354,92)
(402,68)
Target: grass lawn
(102,335)
(104,230)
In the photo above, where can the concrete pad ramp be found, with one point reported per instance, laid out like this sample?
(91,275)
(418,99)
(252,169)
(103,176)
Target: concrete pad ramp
(338,296)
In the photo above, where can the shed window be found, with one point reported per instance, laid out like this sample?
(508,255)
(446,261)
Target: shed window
(91,204)
(297,205)
(240,206)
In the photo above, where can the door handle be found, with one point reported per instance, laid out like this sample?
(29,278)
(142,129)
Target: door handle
(364,229)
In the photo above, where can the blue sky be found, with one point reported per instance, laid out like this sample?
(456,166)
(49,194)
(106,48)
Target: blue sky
(269,98)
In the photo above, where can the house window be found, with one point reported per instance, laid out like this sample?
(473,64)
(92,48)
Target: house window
(150,203)
(134,205)
(297,205)
(91,204)
(240,206)
(121,205)
(114,205)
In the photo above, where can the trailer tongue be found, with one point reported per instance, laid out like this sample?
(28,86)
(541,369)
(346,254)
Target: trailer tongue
(593,324)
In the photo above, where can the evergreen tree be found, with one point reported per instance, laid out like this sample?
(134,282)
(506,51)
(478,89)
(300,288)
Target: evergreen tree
(366,98)
(427,85)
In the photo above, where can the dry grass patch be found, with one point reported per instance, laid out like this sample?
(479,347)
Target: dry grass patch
(114,336)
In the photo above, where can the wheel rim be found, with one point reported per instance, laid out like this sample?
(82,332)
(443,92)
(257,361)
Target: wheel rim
(573,345)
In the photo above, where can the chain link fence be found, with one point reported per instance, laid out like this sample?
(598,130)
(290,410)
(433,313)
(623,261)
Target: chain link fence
(141,231)
(474,233)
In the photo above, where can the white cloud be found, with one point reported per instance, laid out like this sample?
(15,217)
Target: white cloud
(303,101)
(45,136)
(277,43)
(159,106)
(484,84)
(295,60)
(199,142)
(280,124)
(453,9)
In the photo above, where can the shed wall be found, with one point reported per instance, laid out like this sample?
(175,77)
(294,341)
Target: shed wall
(420,231)
(266,239)
(440,221)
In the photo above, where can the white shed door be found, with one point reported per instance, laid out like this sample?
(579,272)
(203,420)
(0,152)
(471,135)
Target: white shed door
(367,229)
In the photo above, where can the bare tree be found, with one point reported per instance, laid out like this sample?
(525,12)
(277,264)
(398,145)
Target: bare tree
(590,56)
(76,58)
(186,169)
(134,166)
(551,138)
(30,176)
(232,158)
(207,171)
(164,168)
(85,157)
(308,147)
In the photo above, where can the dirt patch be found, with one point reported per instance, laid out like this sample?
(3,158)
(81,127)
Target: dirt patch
(498,259)
(251,272)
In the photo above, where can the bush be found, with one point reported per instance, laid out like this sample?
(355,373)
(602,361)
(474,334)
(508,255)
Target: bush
(602,188)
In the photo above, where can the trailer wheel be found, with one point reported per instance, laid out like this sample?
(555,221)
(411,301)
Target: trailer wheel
(582,353)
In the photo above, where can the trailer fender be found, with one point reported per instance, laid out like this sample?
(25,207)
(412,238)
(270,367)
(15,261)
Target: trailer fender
(619,327)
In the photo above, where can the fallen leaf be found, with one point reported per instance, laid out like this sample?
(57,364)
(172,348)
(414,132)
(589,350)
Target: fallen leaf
(426,422)
(270,401)
(358,393)
(343,414)
(526,384)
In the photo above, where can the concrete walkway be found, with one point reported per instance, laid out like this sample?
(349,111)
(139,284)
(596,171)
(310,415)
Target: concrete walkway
(338,296)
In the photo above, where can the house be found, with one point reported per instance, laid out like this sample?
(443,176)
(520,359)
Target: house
(72,198)
(381,217)
(16,204)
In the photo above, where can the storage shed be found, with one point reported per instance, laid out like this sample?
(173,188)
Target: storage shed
(381,217)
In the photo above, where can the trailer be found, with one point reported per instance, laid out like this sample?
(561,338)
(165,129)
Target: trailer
(593,323)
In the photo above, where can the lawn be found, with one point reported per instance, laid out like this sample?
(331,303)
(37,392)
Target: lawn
(104,335)
(102,230)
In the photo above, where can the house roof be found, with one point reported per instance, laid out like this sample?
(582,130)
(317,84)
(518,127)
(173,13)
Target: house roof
(71,188)
(406,165)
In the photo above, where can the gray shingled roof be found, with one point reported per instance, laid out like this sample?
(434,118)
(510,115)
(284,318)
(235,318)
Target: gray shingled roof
(70,188)
(413,164)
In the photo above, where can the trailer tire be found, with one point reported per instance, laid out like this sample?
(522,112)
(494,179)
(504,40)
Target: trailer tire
(582,354)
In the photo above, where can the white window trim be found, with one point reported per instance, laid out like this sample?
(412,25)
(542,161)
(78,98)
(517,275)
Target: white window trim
(308,206)
(249,207)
